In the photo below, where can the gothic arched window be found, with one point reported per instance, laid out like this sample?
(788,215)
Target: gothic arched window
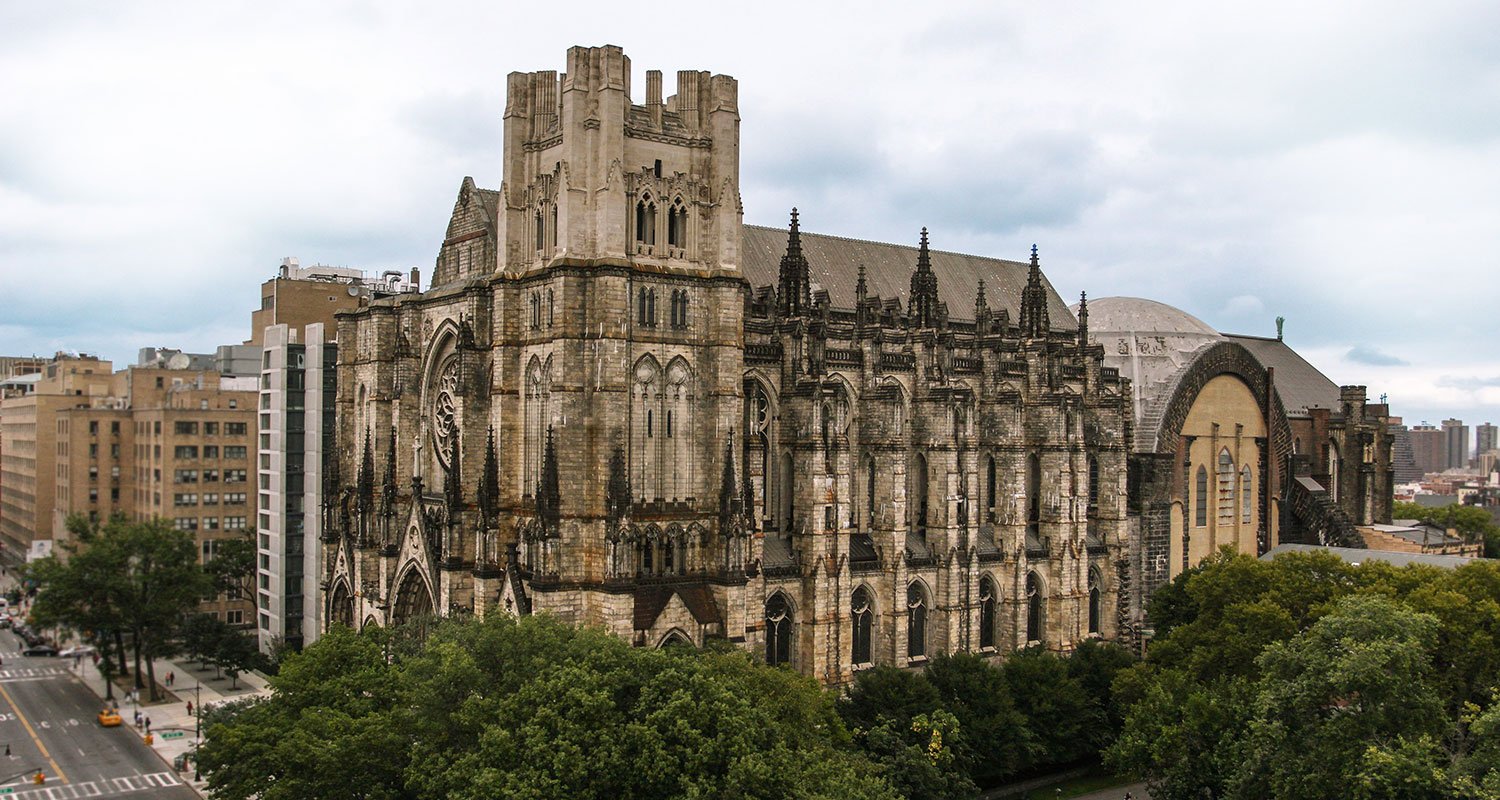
(919,494)
(757,446)
(778,630)
(1036,622)
(1093,486)
(916,621)
(677,224)
(869,493)
(1200,501)
(1247,506)
(645,460)
(1034,494)
(987,611)
(645,221)
(989,489)
(863,615)
(1094,598)
(1226,478)
(677,450)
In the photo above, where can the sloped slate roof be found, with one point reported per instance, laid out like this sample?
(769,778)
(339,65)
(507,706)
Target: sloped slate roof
(1299,383)
(1358,556)
(834,262)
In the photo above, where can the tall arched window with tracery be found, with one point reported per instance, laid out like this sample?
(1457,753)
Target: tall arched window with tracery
(919,519)
(987,615)
(862,612)
(990,500)
(536,416)
(778,630)
(1095,599)
(645,397)
(1093,508)
(916,620)
(1036,614)
(1247,506)
(645,221)
(1200,499)
(1034,494)
(1227,478)
(677,409)
(870,493)
(757,428)
(677,222)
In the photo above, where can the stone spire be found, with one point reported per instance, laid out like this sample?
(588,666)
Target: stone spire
(364,496)
(488,495)
(1034,323)
(794,295)
(1083,320)
(861,299)
(617,491)
(729,501)
(981,311)
(922,305)
(388,486)
(548,500)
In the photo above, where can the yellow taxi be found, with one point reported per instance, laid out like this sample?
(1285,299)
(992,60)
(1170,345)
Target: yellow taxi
(110,718)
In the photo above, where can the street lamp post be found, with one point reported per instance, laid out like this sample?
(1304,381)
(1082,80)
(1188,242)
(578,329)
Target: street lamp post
(197,724)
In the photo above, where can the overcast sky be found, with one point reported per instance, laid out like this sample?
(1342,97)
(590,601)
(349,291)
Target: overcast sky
(1334,163)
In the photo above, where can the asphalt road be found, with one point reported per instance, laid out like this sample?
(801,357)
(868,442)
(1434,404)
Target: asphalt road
(47,717)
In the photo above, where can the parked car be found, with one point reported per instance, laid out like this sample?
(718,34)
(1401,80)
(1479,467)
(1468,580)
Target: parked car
(40,650)
(110,718)
(77,650)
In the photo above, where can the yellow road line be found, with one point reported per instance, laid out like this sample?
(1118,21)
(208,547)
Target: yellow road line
(34,737)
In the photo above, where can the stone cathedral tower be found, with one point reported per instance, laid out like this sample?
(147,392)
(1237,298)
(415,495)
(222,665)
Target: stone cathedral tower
(553,412)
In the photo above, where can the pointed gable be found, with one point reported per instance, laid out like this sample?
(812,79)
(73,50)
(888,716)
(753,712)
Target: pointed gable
(469,246)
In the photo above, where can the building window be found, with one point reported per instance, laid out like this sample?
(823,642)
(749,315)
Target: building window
(1034,494)
(1227,477)
(234,429)
(645,221)
(186,476)
(234,476)
(778,630)
(185,428)
(93,427)
(185,499)
(1247,506)
(186,523)
(677,225)
(1094,599)
(1200,502)
(870,493)
(1093,510)
(916,621)
(1035,615)
(989,489)
(210,476)
(210,451)
(987,611)
(211,499)
(646,307)
(864,623)
(919,495)
(93,451)
(234,452)
(210,429)
(679,309)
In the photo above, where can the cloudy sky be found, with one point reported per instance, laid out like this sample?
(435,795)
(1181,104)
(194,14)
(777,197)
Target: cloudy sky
(1335,164)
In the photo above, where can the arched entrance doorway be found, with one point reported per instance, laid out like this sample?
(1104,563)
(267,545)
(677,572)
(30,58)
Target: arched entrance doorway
(341,606)
(413,600)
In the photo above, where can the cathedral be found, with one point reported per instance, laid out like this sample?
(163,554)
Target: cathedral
(620,405)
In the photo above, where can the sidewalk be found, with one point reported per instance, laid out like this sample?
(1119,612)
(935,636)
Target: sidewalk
(173,728)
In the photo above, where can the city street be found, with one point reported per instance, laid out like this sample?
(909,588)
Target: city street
(47,719)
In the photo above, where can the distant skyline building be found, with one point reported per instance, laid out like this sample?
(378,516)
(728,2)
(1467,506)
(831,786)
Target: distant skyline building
(1427,447)
(1486,438)
(1455,444)
(1403,456)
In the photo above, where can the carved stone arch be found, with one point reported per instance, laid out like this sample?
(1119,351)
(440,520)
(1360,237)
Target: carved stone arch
(413,598)
(1209,362)
(439,401)
(675,638)
(370,622)
(780,617)
(341,604)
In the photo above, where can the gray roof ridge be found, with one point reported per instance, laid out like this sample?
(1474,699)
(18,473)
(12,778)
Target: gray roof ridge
(912,247)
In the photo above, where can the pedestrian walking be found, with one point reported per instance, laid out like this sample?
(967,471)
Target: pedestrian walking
(170,677)
(148,723)
(138,718)
(190,708)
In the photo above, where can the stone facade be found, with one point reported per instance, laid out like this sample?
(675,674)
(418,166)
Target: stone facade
(593,413)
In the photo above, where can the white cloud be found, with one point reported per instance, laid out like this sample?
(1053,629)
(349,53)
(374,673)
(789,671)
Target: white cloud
(157,159)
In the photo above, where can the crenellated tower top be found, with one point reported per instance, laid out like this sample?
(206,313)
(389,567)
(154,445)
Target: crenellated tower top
(591,177)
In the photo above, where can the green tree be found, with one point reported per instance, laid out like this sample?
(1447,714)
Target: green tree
(1064,721)
(1095,664)
(232,567)
(1359,677)
(1180,732)
(997,737)
(533,708)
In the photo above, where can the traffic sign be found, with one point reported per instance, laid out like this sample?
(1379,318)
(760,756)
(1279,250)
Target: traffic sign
(173,734)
